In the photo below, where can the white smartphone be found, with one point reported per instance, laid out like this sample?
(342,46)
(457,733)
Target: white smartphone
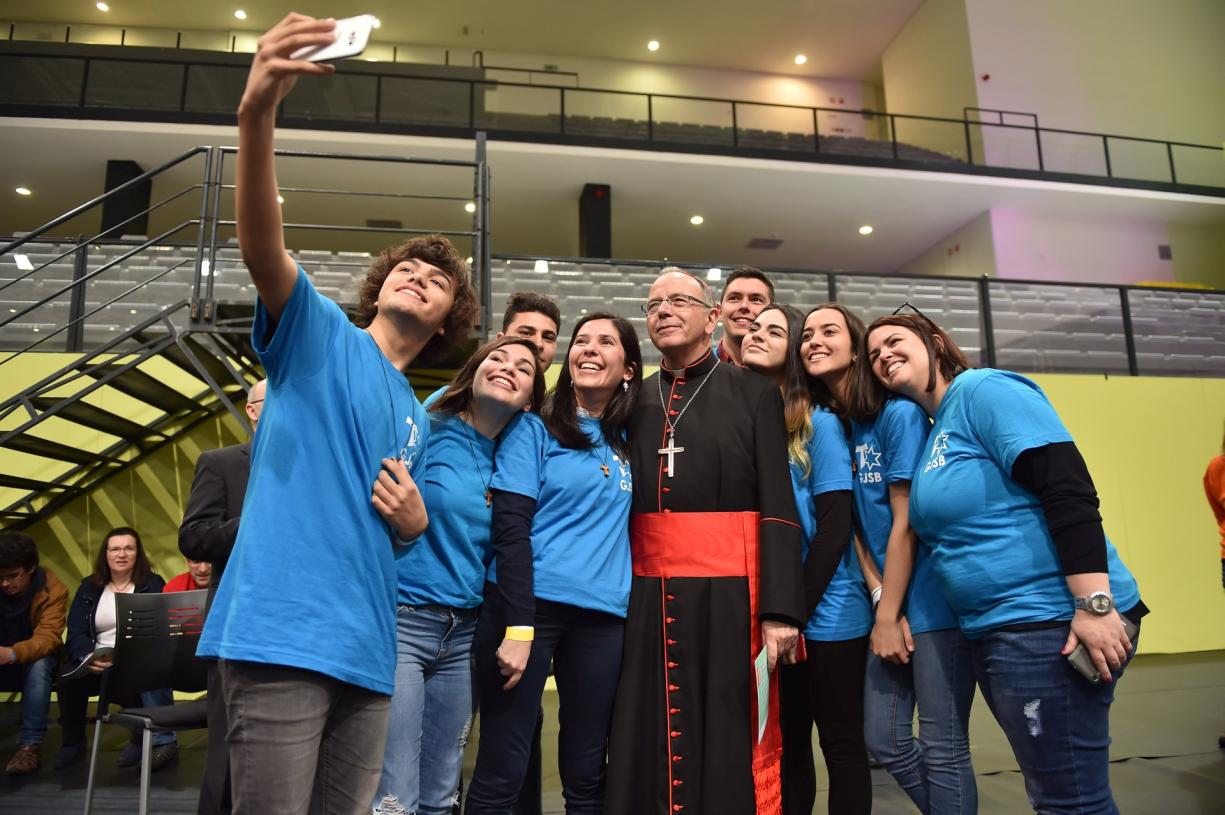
(352,35)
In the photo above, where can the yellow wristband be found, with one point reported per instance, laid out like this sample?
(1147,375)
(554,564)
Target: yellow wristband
(520,633)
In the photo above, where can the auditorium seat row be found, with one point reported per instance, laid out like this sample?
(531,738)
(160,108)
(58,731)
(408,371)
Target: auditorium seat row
(1037,326)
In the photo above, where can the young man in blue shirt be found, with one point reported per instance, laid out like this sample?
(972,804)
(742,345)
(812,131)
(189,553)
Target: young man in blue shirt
(304,621)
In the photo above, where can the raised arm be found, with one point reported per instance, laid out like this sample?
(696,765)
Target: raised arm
(257,212)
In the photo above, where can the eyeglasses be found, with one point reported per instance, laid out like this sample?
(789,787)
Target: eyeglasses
(674,300)
(124,550)
(907,305)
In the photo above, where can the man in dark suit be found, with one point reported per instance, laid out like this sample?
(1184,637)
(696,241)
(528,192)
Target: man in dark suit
(208,531)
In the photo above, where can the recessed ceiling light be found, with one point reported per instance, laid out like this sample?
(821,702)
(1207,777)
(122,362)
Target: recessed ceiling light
(714,274)
(800,59)
(102,7)
(23,263)
(653,45)
(280,199)
(240,14)
(23,191)
(696,220)
(469,207)
(866,230)
(131,311)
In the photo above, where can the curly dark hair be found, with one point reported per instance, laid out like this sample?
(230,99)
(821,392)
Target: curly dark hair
(17,549)
(437,251)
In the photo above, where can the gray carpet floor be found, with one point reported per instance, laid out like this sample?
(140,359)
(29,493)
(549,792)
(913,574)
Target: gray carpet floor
(1165,722)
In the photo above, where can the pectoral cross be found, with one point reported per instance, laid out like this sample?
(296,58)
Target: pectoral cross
(488,498)
(670,451)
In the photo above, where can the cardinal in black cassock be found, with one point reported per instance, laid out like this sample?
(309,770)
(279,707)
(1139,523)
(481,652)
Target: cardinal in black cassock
(717,572)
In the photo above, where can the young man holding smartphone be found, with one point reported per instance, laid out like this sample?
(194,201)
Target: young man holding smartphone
(304,622)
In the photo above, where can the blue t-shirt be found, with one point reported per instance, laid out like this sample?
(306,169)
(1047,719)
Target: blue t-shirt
(888,450)
(844,612)
(446,566)
(580,534)
(989,539)
(312,580)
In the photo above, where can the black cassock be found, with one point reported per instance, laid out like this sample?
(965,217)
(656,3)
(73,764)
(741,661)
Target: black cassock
(684,727)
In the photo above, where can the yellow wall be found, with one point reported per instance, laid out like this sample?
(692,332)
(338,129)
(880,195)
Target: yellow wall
(1147,442)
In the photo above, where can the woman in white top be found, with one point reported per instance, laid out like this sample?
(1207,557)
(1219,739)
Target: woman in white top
(120,568)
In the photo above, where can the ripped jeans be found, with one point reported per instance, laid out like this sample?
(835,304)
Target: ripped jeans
(431,710)
(1057,722)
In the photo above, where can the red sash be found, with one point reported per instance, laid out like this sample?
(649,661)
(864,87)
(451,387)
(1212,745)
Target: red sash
(717,544)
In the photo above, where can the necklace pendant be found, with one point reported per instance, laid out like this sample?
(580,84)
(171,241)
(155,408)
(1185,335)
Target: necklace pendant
(604,467)
(488,498)
(670,451)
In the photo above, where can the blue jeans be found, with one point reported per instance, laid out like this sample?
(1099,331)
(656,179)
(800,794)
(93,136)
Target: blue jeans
(935,770)
(34,681)
(1057,722)
(431,709)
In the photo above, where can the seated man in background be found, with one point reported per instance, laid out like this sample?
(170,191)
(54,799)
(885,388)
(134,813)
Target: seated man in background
(199,575)
(33,604)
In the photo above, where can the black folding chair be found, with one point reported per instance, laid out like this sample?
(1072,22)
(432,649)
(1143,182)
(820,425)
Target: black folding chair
(155,648)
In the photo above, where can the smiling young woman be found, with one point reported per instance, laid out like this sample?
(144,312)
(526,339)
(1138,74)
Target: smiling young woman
(1004,493)
(827,688)
(441,579)
(918,657)
(561,499)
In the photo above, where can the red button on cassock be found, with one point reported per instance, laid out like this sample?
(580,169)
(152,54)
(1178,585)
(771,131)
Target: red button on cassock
(674,710)
(671,664)
(672,642)
(676,733)
(669,620)
(674,688)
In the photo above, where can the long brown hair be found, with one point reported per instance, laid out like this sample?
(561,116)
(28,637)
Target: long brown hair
(141,570)
(457,398)
(943,355)
(864,395)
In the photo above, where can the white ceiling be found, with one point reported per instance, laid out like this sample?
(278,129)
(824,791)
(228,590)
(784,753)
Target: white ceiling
(815,209)
(841,38)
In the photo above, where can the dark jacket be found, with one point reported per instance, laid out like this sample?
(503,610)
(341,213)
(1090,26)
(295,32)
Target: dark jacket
(81,632)
(210,521)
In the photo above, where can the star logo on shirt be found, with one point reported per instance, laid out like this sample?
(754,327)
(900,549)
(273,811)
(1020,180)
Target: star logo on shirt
(868,457)
(941,444)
